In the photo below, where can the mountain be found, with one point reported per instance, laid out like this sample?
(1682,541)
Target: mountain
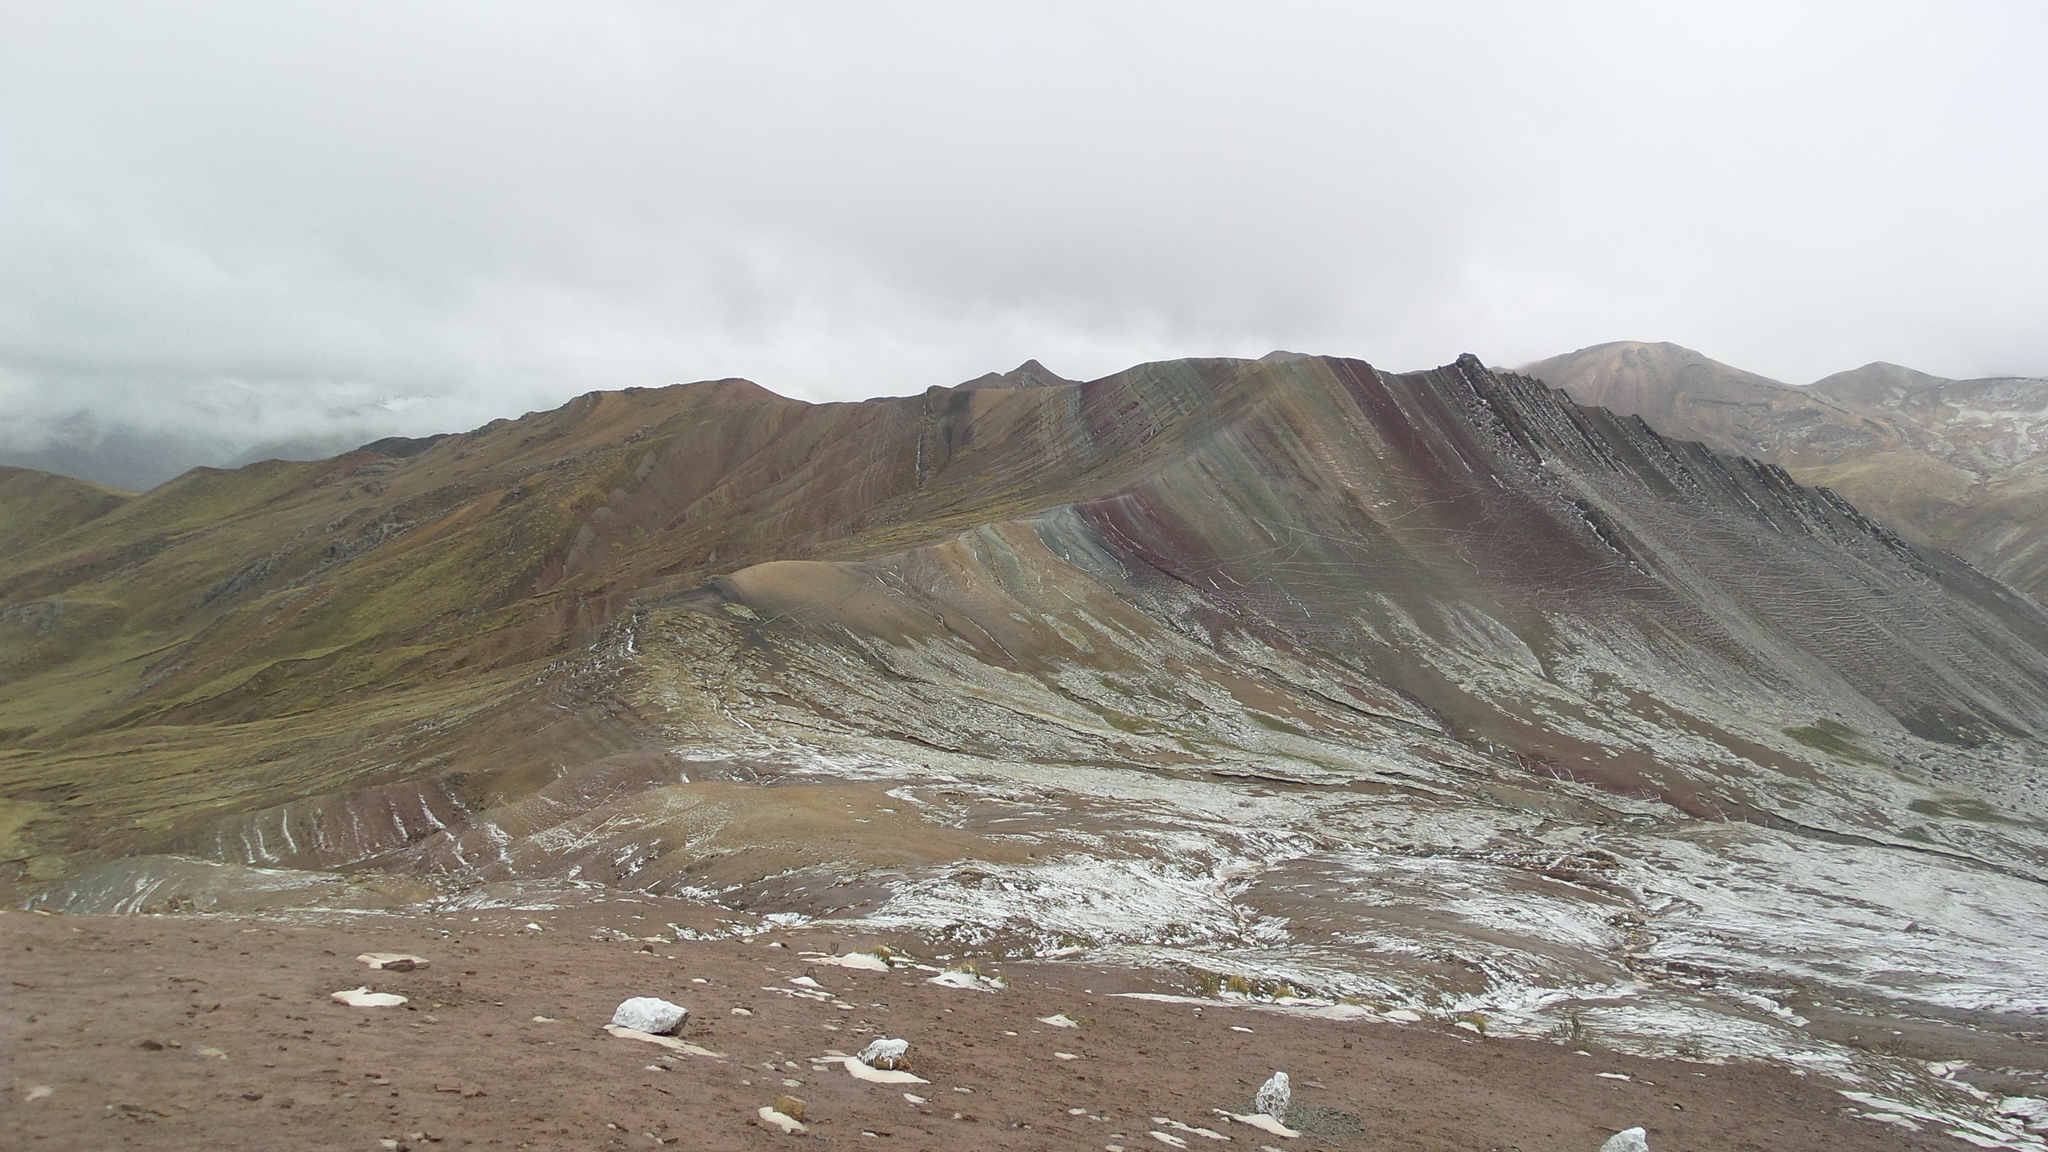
(1029,374)
(132,459)
(1880,384)
(1954,464)
(1684,394)
(1432,692)
(109,450)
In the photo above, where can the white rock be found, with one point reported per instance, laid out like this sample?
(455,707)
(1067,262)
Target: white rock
(884,1053)
(1265,1123)
(873,1075)
(969,981)
(770,1117)
(2027,1108)
(1627,1140)
(364,998)
(863,961)
(39,1092)
(1274,1096)
(668,1042)
(1205,1133)
(393,961)
(650,1014)
(1059,1020)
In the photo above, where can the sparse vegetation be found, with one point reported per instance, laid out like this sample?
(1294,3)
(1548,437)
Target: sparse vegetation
(1832,738)
(1216,984)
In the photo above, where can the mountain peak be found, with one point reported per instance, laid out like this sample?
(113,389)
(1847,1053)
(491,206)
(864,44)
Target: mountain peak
(1877,381)
(1029,374)
(1592,372)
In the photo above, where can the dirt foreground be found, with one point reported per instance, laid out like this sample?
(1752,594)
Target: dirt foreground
(220,1033)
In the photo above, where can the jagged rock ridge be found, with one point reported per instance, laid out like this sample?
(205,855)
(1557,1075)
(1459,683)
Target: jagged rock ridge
(1954,464)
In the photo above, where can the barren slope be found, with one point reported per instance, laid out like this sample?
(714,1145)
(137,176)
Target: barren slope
(1954,464)
(1432,692)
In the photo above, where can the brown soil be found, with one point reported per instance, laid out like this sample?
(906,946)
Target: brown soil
(114,1016)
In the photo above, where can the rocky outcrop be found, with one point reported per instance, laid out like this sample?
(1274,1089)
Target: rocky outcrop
(1960,465)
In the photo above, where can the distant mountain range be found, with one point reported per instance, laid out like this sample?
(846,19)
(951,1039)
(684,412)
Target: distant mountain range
(135,458)
(1955,464)
(130,459)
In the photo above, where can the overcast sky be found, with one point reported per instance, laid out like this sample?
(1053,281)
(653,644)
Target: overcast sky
(255,218)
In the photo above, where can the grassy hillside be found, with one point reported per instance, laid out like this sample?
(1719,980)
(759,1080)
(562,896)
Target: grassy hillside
(234,638)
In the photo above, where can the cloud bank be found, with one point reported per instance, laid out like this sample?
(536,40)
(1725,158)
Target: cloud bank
(233,224)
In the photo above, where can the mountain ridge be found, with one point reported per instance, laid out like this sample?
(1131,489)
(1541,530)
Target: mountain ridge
(1960,465)
(1431,689)
(844,483)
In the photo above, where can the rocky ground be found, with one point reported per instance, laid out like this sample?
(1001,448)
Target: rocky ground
(220,1032)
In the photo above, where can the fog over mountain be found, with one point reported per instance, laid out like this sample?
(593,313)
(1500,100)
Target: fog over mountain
(236,225)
